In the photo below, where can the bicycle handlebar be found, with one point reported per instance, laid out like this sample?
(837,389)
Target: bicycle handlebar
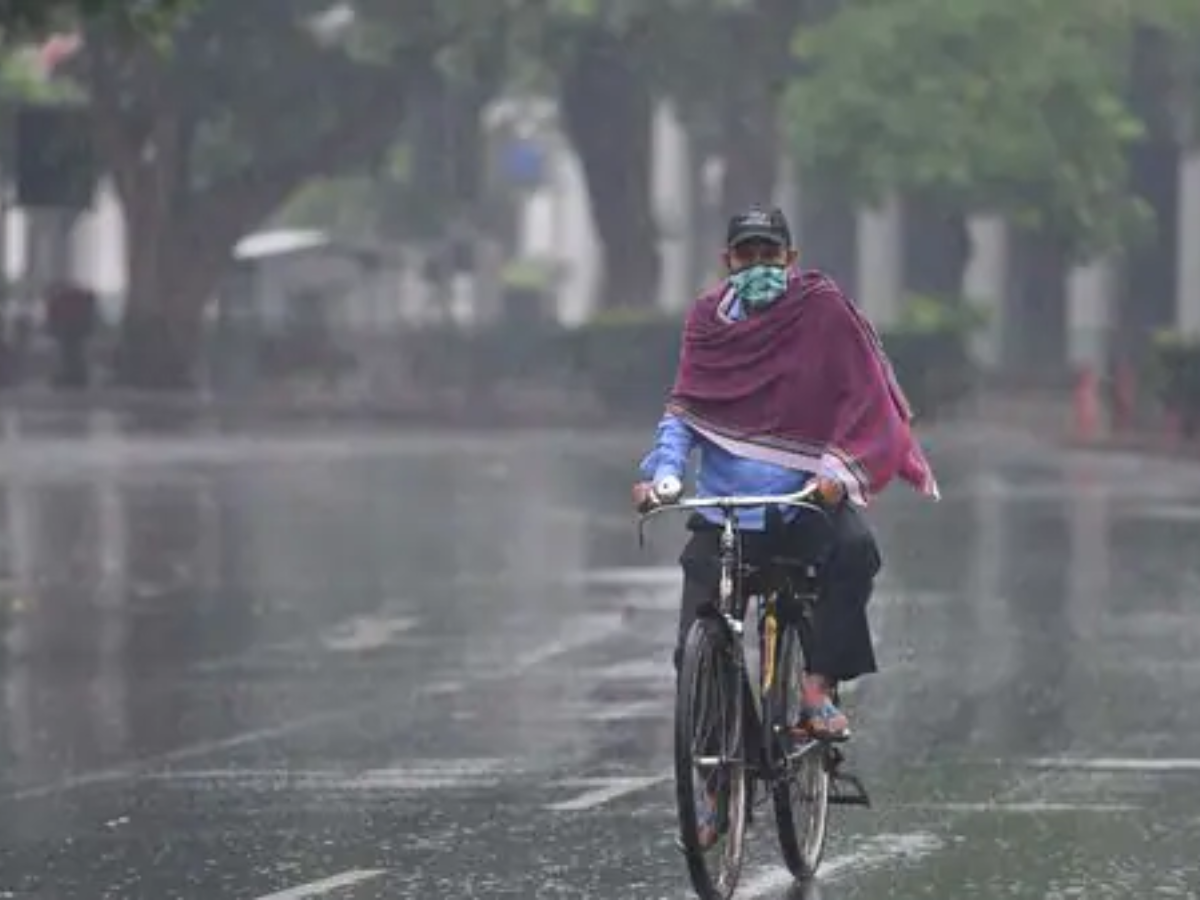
(801,499)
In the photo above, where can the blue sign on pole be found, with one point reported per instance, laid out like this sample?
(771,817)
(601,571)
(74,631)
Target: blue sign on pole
(523,162)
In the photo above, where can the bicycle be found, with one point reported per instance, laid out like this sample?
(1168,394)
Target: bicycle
(714,657)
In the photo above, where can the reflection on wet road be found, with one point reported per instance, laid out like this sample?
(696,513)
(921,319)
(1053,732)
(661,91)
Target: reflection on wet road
(390,665)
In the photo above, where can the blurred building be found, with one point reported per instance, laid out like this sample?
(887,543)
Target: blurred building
(554,225)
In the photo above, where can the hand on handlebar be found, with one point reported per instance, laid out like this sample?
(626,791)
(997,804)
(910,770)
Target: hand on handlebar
(830,491)
(648,495)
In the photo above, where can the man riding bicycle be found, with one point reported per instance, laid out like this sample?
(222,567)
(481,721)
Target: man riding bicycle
(781,379)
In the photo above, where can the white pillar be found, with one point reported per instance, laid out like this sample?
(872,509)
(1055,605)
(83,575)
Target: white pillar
(985,283)
(881,262)
(1090,306)
(579,253)
(670,179)
(1187,299)
(787,191)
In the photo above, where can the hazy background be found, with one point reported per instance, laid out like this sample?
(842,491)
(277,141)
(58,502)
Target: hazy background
(382,201)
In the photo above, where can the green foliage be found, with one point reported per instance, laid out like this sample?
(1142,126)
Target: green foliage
(929,348)
(21,81)
(1182,32)
(363,204)
(528,274)
(344,205)
(144,16)
(956,316)
(627,359)
(1014,106)
(1176,370)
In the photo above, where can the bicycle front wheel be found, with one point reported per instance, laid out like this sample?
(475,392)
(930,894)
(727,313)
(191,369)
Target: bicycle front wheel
(801,797)
(710,765)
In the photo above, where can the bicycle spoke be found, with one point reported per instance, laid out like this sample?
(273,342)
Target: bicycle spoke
(710,782)
(802,795)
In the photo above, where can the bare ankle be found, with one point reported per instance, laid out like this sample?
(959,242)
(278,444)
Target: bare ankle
(816,682)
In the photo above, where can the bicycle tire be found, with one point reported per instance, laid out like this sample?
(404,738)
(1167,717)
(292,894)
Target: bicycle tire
(801,797)
(707,663)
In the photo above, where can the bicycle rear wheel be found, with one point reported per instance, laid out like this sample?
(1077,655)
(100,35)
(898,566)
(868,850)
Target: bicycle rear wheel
(710,766)
(801,797)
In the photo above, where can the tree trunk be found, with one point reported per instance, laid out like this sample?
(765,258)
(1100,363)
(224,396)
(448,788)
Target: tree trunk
(448,153)
(750,101)
(829,231)
(161,329)
(1037,331)
(176,256)
(1148,296)
(179,243)
(156,349)
(937,248)
(751,152)
(701,253)
(608,112)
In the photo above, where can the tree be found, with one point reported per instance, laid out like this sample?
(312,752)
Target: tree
(26,16)
(206,138)
(1015,107)
(613,59)
(733,108)
(1164,92)
(595,53)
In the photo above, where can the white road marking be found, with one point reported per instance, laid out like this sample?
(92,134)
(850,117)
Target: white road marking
(639,670)
(1033,808)
(639,709)
(327,885)
(591,630)
(629,576)
(606,790)
(121,774)
(873,853)
(433,774)
(1172,512)
(1118,764)
(409,776)
(367,633)
(440,689)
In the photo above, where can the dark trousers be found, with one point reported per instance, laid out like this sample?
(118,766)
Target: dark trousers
(841,635)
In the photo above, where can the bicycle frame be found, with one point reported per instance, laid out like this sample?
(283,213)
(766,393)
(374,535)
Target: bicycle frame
(778,758)
(731,600)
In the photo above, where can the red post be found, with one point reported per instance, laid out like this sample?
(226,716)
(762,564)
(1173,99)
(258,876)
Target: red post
(1124,397)
(1087,405)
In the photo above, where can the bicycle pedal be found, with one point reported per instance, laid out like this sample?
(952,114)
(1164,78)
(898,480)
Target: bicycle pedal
(847,789)
(801,735)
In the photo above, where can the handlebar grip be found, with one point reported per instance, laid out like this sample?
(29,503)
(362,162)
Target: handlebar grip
(668,490)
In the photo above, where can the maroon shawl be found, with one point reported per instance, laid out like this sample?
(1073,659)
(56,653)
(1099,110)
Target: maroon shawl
(804,384)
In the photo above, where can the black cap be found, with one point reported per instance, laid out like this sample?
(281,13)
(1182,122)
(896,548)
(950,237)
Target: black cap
(759,224)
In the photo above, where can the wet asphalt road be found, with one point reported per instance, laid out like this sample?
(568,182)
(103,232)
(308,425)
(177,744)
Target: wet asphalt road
(388,666)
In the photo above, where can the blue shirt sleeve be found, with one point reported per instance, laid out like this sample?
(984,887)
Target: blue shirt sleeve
(673,445)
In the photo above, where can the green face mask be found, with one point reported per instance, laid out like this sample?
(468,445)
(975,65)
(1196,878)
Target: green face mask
(759,285)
